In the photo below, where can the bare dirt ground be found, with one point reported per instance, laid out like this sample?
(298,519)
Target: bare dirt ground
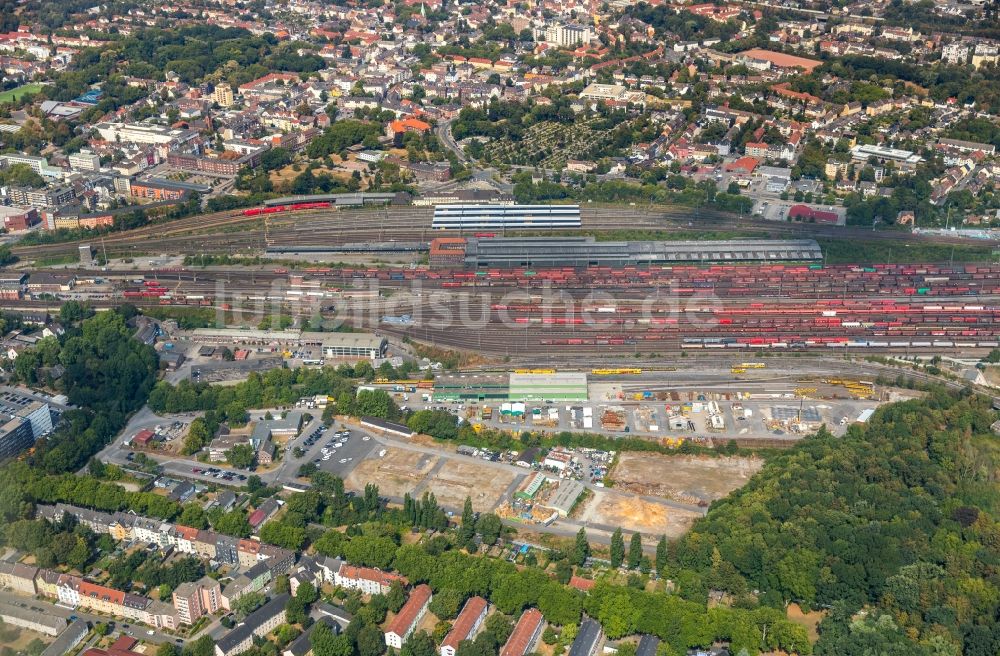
(397,472)
(691,479)
(809,620)
(634,514)
(458,479)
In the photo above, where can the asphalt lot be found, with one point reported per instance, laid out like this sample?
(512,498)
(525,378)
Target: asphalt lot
(353,451)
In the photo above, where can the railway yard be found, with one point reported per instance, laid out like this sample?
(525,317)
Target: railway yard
(598,310)
(522,310)
(706,353)
(314,231)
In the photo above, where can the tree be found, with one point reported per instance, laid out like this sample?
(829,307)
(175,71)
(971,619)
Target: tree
(371,551)
(296,611)
(489,527)
(661,554)
(617,548)
(396,596)
(233,523)
(6,256)
(198,436)
(419,644)
(446,603)
(371,641)
(283,535)
(248,603)
(467,529)
(635,550)
(168,649)
(581,550)
(203,646)
(307,592)
(325,643)
(241,456)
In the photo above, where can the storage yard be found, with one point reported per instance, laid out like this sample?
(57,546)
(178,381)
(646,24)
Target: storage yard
(692,479)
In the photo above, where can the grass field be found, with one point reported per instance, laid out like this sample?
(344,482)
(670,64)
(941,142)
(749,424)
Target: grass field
(851,251)
(11,95)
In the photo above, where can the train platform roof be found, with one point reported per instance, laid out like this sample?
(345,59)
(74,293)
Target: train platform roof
(586,251)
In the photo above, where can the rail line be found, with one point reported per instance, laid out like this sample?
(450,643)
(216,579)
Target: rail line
(216,232)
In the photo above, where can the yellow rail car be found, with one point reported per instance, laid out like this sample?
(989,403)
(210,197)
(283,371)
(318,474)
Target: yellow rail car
(614,372)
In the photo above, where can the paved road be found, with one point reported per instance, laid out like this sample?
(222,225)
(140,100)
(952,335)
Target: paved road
(138,631)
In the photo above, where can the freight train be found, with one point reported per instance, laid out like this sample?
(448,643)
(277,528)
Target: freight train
(295,207)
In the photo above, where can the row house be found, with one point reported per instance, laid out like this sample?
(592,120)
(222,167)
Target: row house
(366,579)
(206,544)
(19,578)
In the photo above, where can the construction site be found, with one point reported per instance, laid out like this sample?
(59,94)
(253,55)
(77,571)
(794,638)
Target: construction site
(609,509)
(690,479)
(454,480)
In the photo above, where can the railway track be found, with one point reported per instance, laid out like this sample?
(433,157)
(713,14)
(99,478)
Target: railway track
(231,232)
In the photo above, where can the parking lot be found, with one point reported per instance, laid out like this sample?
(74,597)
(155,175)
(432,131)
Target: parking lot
(338,460)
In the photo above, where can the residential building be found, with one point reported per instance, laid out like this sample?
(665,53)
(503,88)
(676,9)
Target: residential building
(403,625)
(366,579)
(565,35)
(15,436)
(223,94)
(588,638)
(46,197)
(19,578)
(648,645)
(187,601)
(85,160)
(466,625)
(258,624)
(68,639)
(43,623)
(525,635)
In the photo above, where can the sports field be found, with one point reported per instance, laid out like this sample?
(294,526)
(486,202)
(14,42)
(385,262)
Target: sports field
(12,95)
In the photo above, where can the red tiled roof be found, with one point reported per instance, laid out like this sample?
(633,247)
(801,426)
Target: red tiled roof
(781,60)
(581,583)
(748,164)
(94,591)
(256,517)
(407,615)
(370,574)
(806,212)
(517,644)
(462,627)
(187,532)
(409,124)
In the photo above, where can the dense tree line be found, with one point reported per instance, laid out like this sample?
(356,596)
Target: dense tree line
(682,24)
(899,517)
(343,134)
(21,486)
(107,376)
(275,388)
(63,543)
